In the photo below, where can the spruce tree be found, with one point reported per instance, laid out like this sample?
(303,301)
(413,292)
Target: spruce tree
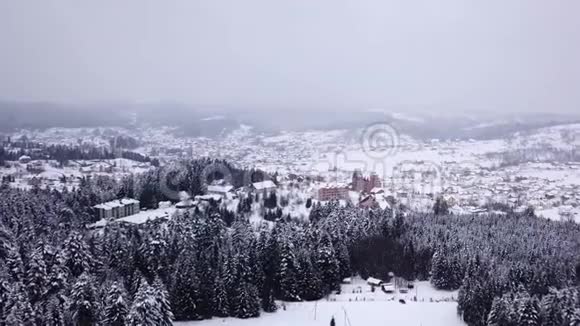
(84,305)
(54,313)
(551,309)
(145,310)
(19,312)
(77,257)
(35,276)
(529,313)
(310,285)
(5,292)
(116,310)
(499,313)
(184,290)
(343,259)
(570,300)
(327,264)
(221,305)
(246,303)
(58,276)
(441,274)
(287,274)
(206,276)
(161,298)
(14,265)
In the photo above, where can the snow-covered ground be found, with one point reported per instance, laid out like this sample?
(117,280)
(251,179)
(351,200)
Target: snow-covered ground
(564,213)
(358,306)
(349,313)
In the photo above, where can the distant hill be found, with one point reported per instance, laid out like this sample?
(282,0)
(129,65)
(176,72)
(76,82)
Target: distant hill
(38,115)
(213,122)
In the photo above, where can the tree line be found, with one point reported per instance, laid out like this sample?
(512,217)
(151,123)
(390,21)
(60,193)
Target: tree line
(65,153)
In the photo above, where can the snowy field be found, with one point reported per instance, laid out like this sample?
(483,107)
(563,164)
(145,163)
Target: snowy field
(357,305)
(350,314)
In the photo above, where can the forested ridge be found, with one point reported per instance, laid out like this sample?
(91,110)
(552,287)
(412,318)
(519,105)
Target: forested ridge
(513,269)
(65,153)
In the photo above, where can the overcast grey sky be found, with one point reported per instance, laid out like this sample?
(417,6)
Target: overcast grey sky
(505,55)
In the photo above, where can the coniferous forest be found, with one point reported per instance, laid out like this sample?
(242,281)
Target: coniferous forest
(513,269)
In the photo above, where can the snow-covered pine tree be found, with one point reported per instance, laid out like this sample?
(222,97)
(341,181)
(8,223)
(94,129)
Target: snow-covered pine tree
(35,276)
(116,309)
(206,276)
(145,310)
(54,312)
(287,273)
(20,314)
(83,302)
(569,303)
(221,305)
(255,271)
(529,312)
(230,277)
(440,272)
(456,273)
(269,258)
(4,292)
(19,311)
(58,275)
(153,253)
(246,303)
(118,250)
(14,265)
(310,285)
(499,313)
(343,259)
(6,239)
(77,257)
(161,297)
(551,309)
(327,264)
(132,282)
(184,291)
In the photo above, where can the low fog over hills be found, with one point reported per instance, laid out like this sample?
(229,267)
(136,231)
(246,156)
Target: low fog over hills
(212,122)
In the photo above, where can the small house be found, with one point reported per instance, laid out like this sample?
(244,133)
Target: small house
(368,201)
(220,190)
(185,204)
(264,186)
(24,159)
(374,281)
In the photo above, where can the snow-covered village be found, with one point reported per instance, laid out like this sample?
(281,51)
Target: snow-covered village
(289,163)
